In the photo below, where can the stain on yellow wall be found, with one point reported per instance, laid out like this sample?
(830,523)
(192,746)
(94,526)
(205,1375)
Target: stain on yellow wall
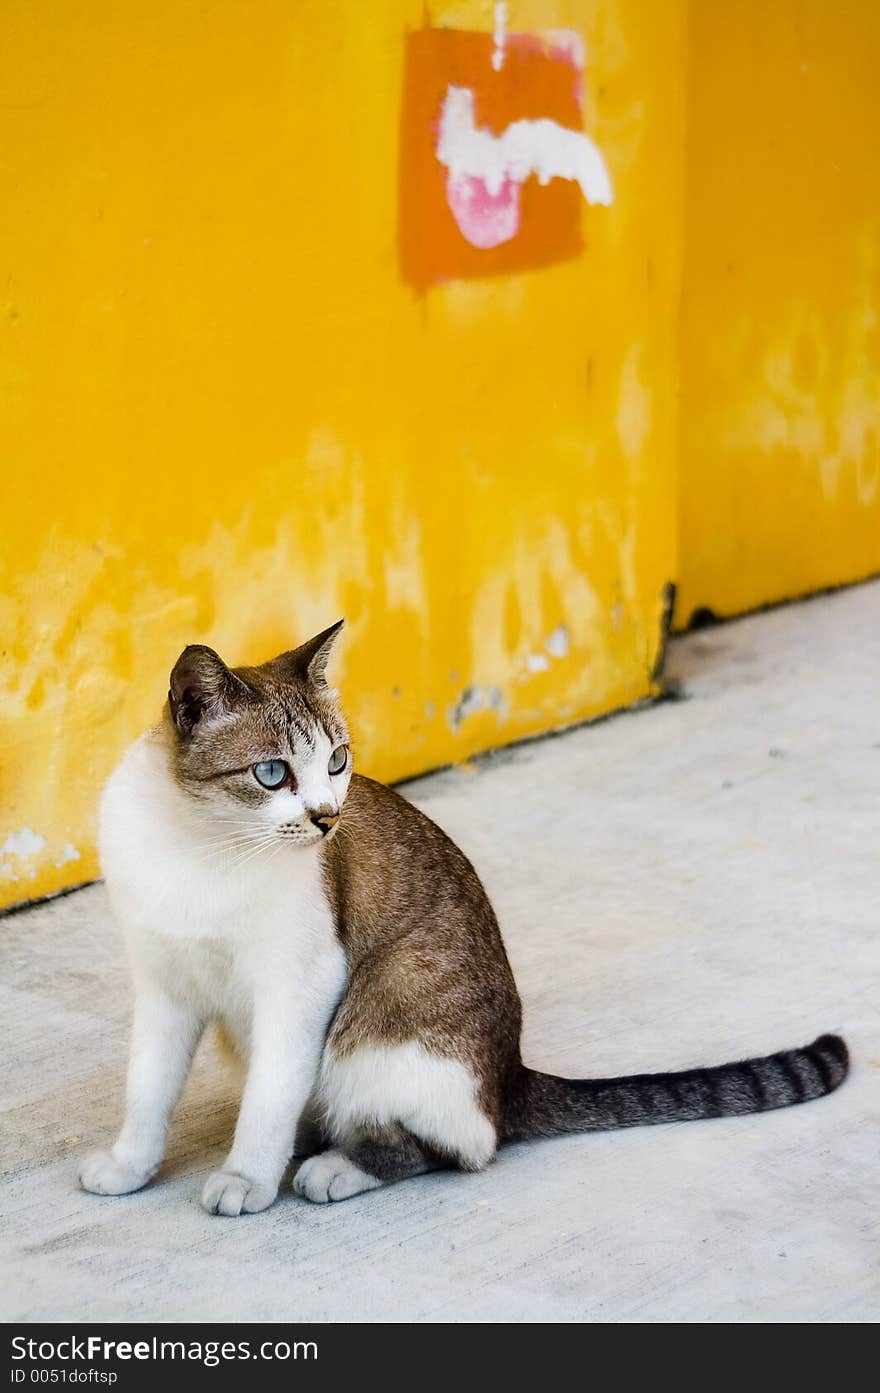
(225,417)
(780,469)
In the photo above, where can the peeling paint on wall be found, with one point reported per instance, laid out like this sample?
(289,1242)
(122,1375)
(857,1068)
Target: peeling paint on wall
(22,844)
(475,699)
(537,662)
(17,850)
(558,642)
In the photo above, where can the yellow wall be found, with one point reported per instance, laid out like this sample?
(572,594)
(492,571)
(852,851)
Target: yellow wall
(780,467)
(225,418)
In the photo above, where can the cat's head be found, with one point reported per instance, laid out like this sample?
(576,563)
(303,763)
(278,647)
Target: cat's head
(264,751)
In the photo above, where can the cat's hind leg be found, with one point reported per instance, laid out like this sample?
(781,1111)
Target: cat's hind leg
(392,1111)
(311,1136)
(365,1164)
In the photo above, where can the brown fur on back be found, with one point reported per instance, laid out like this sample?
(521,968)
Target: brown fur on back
(425,953)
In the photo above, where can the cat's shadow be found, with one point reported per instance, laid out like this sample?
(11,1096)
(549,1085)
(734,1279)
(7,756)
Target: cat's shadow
(204,1120)
(202,1135)
(200,1139)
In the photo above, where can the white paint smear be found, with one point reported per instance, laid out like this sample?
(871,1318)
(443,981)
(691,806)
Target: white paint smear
(500,35)
(68,853)
(541,147)
(23,843)
(557,642)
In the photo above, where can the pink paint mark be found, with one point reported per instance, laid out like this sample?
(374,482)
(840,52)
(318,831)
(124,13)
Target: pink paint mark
(567,46)
(484,219)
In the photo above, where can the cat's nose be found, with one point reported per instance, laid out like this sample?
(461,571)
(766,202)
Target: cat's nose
(324,820)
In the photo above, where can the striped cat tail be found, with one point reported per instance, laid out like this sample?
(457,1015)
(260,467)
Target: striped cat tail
(543,1105)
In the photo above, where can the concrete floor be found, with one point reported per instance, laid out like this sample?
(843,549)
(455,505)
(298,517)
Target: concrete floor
(680,885)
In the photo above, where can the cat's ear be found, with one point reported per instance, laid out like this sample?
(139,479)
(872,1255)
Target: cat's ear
(201,686)
(310,660)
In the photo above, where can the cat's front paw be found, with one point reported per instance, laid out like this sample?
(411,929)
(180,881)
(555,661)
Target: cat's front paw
(101,1174)
(230,1194)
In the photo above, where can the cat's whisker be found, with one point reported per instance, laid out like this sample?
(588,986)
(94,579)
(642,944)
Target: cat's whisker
(252,852)
(231,836)
(248,843)
(244,860)
(241,824)
(241,819)
(245,834)
(222,848)
(226,855)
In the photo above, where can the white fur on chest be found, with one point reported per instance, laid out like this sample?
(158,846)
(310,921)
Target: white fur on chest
(221,925)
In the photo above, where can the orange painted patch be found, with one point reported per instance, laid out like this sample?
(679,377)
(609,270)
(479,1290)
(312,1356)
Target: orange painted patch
(537,80)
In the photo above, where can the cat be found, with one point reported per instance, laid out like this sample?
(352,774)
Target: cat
(349,949)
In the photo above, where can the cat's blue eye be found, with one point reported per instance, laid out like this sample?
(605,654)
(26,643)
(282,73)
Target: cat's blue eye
(271,773)
(338,760)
